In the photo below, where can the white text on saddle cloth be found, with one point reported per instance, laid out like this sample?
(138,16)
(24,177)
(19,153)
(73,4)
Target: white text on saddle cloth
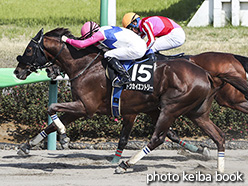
(142,77)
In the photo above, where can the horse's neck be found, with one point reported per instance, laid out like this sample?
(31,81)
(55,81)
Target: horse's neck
(78,61)
(72,60)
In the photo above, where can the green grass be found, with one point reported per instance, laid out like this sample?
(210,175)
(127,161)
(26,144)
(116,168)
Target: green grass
(47,12)
(21,20)
(225,39)
(24,16)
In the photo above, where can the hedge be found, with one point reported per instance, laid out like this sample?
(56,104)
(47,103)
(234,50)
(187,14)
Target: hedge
(27,104)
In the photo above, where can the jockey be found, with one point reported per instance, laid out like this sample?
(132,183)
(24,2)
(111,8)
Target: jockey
(169,34)
(122,43)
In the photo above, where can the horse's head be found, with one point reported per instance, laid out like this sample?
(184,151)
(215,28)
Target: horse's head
(36,55)
(33,57)
(48,49)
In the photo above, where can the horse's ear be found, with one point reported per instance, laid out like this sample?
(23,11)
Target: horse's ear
(39,35)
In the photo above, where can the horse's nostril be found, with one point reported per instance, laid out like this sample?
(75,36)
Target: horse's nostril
(18,58)
(16,72)
(47,70)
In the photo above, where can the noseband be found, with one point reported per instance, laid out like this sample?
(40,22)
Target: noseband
(39,59)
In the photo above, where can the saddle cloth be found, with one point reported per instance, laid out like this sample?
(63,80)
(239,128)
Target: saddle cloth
(141,73)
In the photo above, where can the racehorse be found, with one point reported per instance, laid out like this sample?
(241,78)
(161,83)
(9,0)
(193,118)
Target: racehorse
(180,88)
(54,71)
(230,67)
(218,64)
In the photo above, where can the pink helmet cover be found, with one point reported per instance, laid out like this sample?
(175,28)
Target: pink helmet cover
(88,28)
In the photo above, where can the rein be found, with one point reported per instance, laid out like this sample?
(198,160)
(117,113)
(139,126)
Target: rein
(40,47)
(85,68)
(50,63)
(55,58)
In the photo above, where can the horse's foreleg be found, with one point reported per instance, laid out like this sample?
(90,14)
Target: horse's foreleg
(57,125)
(162,125)
(74,108)
(128,121)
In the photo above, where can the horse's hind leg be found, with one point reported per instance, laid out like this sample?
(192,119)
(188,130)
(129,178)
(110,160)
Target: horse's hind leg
(128,121)
(230,97)
(164,121)
(171,134)
(238,82)
(214,133)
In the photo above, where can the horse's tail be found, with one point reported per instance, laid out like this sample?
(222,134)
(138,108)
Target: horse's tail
(237,82)
(243,60)
(215,87)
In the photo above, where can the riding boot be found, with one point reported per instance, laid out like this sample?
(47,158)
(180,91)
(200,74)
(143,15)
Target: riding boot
(117,66)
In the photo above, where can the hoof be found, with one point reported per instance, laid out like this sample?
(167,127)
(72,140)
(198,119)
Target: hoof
(64,141)
(24,149)
(206,152)
(122,168)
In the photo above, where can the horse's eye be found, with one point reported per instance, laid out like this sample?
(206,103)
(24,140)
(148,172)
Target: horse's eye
(28,51)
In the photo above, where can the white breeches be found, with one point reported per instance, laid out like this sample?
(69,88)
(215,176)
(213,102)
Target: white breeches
(172,40)
(130,48)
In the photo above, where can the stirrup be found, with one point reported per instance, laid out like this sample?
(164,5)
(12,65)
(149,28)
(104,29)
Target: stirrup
(122,82)
(115,81)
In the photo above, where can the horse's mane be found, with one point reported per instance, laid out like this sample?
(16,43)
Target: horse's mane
(59,32)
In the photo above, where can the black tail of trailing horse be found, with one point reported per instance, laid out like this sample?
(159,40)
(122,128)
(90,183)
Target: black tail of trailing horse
(243,60)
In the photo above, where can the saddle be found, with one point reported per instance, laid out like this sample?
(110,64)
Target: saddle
(141,72)
(169,57)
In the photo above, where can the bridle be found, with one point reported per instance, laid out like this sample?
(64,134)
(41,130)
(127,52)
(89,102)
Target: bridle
(39,59)
(45,62)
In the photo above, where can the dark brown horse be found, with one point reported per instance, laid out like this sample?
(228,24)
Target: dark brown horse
(55,71)
(231,68)
(180,88)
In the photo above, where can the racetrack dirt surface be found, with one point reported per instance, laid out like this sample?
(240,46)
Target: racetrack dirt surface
(93,168)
